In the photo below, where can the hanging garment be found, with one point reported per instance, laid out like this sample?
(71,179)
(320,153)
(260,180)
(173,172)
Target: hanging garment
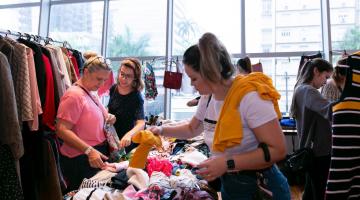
(304,59)
(344,180)
(104,89)
(35,97)
(20,73)
(39,67)
(10,185)
(257,67)
(150,82)
(9,124)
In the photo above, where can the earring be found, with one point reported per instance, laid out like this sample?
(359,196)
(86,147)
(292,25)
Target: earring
(133,84)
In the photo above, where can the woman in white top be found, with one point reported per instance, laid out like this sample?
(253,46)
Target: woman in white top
(209,67)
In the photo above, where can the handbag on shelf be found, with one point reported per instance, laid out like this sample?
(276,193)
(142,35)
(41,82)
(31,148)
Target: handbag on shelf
(172,80)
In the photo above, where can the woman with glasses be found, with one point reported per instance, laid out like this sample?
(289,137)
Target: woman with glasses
(80,122)
(126,102)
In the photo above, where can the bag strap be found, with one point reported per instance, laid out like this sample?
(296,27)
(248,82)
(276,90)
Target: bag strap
(87,92)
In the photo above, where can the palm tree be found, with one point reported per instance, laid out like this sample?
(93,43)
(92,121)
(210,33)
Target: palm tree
(125,45)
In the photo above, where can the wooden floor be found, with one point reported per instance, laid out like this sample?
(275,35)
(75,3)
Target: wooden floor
(296,192)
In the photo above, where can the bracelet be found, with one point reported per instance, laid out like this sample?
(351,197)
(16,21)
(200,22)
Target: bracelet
(266,151)
(88,150)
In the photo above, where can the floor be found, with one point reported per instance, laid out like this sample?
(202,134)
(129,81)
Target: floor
(296,193)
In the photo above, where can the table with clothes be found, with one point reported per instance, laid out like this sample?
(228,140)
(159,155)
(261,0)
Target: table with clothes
(166,172)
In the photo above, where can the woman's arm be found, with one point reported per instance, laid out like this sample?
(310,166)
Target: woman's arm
(126,139)
(269,133)
(317,103)
(63,131)
(182,131)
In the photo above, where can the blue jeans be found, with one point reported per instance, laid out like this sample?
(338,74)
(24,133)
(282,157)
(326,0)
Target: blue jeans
(243,186)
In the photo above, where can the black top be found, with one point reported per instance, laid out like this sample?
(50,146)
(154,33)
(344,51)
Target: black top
(127,109)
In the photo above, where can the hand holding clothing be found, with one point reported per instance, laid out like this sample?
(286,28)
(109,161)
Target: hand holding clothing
(110,119)
(125,141)
(96,159)
(156,130)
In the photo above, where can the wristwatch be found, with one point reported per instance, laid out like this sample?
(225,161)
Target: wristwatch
(230,164)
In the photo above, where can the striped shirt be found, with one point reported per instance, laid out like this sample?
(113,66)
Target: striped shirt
(344,175)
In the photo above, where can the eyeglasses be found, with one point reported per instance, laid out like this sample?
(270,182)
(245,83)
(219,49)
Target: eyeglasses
(126,76)
(102,61)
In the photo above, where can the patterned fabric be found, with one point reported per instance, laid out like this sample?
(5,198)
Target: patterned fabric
(116,152)
(9,123)
(21,77)
(150,82)
(10,186)
(89,183)
(330,91)
(344,180)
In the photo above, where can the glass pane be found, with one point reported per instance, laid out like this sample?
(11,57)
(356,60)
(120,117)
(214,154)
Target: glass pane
(283,25)
(179,98)
(137,28)
(6,2)
(194,18)
(345,31)
(283,73)
(80,24)
(25,20)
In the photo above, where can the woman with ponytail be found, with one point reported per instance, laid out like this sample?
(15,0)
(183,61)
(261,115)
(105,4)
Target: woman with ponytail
(240,125)
(312,113)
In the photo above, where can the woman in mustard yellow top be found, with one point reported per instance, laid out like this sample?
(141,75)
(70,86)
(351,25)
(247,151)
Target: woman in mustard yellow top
(236,115)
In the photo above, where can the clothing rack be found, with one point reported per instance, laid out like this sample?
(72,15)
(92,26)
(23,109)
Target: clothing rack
(36,38)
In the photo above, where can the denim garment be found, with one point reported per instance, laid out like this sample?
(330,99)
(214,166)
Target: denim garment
(243,187)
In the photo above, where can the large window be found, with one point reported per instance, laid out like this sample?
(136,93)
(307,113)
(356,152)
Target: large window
(25,19)
(283,26)
(345,30)
(6,2)
(283,73)
(137,28)
(193,18)
(78,23)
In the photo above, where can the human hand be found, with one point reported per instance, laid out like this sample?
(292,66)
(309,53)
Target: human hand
(157,130)
(212,168)
(96,159)
(125,141)
(110,119)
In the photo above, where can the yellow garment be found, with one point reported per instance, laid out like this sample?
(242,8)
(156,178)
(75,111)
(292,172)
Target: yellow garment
(147,140)
(228,131)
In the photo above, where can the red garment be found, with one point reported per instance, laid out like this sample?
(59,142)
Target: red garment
(49,112)
(74,62)
(157,165)
(107,85)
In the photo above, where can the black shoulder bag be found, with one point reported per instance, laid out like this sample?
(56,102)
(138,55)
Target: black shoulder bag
(301,159)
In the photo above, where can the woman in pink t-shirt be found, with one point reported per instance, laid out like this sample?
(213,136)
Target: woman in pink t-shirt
(80,122)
